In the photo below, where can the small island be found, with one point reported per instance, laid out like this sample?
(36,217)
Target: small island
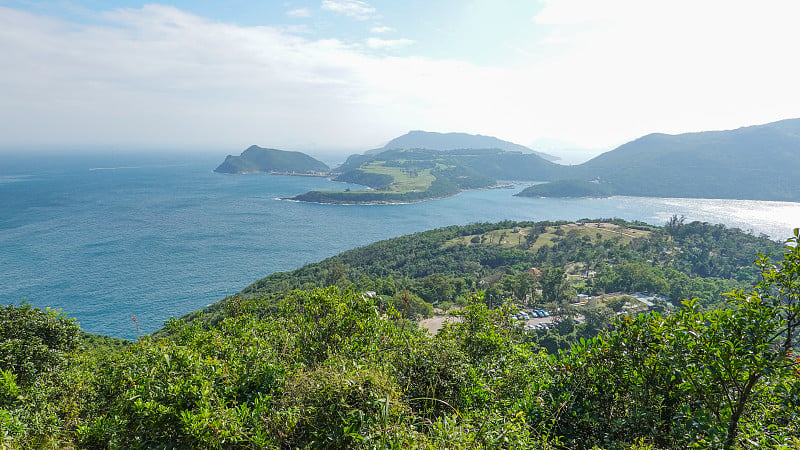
(269,160)
(567,189)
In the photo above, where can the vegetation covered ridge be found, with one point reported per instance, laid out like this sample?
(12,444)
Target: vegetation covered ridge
(454,141)
(753,163)
(567,188)
(589,270)
(412,175)
(748,163)
(269,160)
(339,368)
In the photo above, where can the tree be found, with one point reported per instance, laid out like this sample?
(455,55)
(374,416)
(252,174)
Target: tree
(42,382)
(693,378)
(617,303)
(764,332)
(33,341)
(411,306)
(531,238)
(522,285)
(597,318)
(675,222)
(555,287)
(436,288)
(337,275)
(493,296)
(780,287)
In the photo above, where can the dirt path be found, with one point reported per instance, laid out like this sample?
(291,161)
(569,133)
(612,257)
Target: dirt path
(435,323)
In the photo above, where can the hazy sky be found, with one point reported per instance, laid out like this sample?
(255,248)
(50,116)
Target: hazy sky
(333,75)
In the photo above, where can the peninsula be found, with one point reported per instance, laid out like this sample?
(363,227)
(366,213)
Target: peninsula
(412,175)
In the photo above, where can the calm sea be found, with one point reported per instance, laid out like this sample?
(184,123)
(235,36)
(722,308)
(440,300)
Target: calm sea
(109,238)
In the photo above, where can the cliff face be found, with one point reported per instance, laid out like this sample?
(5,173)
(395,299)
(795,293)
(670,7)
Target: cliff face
(256,159)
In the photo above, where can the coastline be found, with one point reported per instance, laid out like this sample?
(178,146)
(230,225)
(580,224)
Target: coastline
(504,185)
(273,172)
(378,202)
(333,201)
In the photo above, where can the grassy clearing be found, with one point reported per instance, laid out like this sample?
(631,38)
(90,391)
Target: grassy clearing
(506,238)
(514,238)
(606,231)
(405,179)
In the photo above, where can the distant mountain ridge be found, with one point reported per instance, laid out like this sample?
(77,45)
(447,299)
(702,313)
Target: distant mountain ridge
(454,141)
(758,162)
(269,160)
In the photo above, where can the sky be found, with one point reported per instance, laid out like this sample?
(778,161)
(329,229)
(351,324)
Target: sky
(338,76)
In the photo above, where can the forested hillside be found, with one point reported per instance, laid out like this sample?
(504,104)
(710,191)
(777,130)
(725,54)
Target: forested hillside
(345,366)
(567,188)
(756,162)
(481,256)
(397,176)
(269,160)
(605,261)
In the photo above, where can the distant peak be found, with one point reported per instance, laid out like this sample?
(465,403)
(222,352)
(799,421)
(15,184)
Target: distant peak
(433,140)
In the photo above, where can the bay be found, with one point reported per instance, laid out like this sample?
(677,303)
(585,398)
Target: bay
(110,238)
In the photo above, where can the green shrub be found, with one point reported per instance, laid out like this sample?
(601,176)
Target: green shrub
(33,341)
(339,405)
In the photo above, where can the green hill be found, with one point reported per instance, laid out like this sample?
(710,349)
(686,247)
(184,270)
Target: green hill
(269,160)
(398,176)
(347,367)
(567,188)
(758,162)
(440,266)
(420,174)
(455,141)
(507,165)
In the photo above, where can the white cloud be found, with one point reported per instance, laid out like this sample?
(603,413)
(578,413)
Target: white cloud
(299,12)
(355,9)
(378,43)
(381,29)
(581,12)
(164,77)
(158,77)
(668,66)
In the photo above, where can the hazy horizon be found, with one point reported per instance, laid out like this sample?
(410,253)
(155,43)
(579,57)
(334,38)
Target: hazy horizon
(566,155)
(344,76)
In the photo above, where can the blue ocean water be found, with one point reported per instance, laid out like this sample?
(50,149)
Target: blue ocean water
(109,238)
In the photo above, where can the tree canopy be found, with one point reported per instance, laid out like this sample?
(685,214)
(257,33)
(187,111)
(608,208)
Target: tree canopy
(338,367)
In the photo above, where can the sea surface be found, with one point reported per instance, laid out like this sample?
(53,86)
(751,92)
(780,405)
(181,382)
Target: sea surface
(122,243)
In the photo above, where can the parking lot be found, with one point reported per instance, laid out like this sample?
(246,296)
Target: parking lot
(534,319)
